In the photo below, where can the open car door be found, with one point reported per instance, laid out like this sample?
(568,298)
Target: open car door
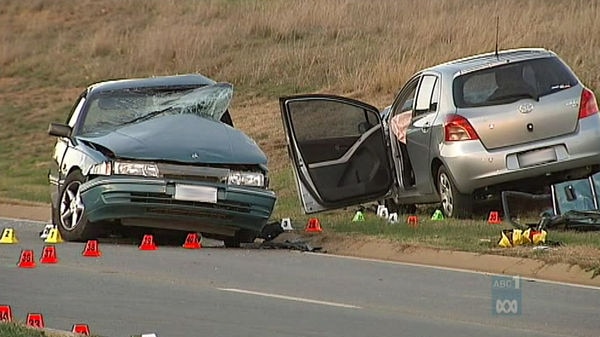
(338,149)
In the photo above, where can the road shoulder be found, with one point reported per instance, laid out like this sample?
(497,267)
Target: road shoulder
(382,249)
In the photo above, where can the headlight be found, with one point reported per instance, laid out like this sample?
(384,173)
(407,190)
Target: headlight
(246,179)
(101,169)
(135,169)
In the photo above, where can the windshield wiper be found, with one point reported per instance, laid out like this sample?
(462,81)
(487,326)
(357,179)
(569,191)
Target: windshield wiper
(149,115)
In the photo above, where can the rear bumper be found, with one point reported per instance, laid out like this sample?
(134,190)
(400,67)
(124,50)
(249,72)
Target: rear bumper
(151,202)
(473,167)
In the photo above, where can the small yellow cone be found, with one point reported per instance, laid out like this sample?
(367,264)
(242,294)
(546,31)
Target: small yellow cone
(54,236)
(517,236)
(526,236)
(8,236)
(504,240)
(539,237)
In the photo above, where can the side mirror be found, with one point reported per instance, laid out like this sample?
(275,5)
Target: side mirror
(59,130)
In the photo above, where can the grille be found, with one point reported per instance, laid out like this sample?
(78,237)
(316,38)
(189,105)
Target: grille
(159,198)
(193,173)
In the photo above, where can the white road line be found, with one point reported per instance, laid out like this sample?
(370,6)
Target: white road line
(290,298)
(459,270)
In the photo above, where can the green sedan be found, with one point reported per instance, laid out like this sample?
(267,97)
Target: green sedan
(158,152)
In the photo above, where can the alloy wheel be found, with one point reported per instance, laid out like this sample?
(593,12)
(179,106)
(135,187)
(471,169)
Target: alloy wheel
(71,206)
(445,187)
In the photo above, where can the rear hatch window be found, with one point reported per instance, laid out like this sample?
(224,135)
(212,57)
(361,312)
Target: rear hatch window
(519,102)
(512,82)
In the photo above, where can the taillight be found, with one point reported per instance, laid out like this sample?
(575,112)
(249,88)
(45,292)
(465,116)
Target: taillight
(588,105)
(458,128)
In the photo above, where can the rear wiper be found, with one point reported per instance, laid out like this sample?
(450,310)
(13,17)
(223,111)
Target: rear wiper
(149,115)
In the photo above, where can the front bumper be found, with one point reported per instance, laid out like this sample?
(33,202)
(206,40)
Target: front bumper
(140,201)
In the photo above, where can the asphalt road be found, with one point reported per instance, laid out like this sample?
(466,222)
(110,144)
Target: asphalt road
(252,292)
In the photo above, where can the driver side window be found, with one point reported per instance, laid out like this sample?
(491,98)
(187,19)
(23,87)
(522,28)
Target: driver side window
(76,111)
(402,110)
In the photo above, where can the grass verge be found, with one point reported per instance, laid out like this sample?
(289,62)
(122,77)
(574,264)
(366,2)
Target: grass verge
(13,329)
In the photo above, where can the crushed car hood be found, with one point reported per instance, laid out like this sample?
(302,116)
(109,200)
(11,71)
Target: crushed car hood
(182,138)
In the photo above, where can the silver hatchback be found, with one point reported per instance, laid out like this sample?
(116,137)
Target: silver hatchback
(456,133)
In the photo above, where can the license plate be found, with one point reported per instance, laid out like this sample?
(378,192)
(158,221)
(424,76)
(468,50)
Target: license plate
(537,157)
(196,193)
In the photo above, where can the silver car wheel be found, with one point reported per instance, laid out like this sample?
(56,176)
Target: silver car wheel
(71,206)
(445,188)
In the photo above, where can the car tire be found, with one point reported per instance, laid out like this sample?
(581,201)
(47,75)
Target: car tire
(70,216)
(454,204)
(241,236)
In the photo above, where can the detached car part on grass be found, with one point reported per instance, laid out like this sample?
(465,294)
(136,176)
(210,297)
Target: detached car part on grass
(158,152)
(456,133)
(571,205)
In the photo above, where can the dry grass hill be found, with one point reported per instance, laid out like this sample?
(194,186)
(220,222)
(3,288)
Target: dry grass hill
(50,50)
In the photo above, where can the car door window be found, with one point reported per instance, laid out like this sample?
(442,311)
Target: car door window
(427,96)
(338,128)
(76,112)
(339,150)
(402,110)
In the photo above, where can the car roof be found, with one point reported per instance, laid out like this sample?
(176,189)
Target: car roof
(157,81)
(489,60)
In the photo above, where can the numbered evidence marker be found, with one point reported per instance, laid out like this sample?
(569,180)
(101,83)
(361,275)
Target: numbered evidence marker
(8,236)
(81,329)
(5,313)
(91,249)
(49,254)
(192,241)
(27,259)
(35,320)
(506,295)
(148,243)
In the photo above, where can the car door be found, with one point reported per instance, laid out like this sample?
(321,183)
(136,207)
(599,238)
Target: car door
(403,104)
(57,170)
(338,150)
(418,134)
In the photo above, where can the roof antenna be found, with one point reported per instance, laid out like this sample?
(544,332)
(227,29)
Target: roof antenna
(497,29)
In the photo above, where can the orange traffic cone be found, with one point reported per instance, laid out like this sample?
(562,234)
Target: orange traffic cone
(5,313)
(27,260)
(35,321)
(313,226)
(148,243)
(192,241)
(91,249)
(49,254)
(494,218)
(81,329)
(413,221)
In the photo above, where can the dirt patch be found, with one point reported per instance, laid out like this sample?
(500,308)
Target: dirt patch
(24,210)
(384,249)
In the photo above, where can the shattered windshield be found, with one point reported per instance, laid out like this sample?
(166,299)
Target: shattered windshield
(113,109)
